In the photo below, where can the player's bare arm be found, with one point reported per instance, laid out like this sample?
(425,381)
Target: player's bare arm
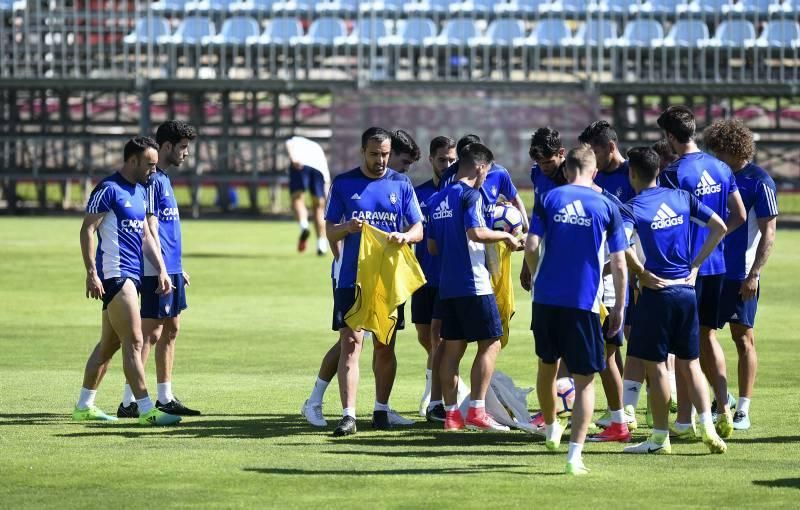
(94,287)
(335,232)
(412,235)
(619,272)
(736,212)
(519,204)
(153,254)
(717,232)
(767,227)
(486,235)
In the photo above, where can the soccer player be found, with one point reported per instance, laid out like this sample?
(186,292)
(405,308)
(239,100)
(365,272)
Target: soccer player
(376,194)
(405,152)
(116,213)
(312,178)
(161,313)
(712,182)
(666,315)
(612,168)
(442,155)
(467,304)
(572,223)
(665,154)
(746,250)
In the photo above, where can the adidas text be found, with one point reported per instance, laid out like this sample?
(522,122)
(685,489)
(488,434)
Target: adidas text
(666,223)
(573,220)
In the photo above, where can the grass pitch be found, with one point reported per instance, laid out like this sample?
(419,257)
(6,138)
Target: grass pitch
(248,353)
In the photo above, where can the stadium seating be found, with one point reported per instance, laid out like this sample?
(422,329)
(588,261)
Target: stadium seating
(520,7)
(780,34)
(565,6)
(339,7)
(501,32)
(660,7)
(365,31)
(382,6)
(292,7)
(192,30)
(278,31)
(323,31)
(641,33)
(169,6)
(209,7)
(760,8)
(687,33)
(234,31)
(148,30)
(455,32)
(548,32)
(600,32)
(708,6)
(736,33)
(428,7)
(412,32)
(251,7)
(6,5)
(474,6)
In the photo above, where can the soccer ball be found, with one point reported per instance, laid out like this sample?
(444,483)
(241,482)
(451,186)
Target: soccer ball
(508,219)
(565,391)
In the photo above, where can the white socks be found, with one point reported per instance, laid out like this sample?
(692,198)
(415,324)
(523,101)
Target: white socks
(86,399)
(165,395)
(127,396)
(145,405)
(322,245)
(451,408)
(743,405)
(381,407)
(630,393)
(705,418)
(477,404)
(618,416)
(574,453)
(434,403)
(303,224)
(428,375)
(319,391)
(349,411)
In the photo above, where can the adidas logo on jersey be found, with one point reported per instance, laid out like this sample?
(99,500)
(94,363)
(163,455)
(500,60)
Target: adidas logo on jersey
(707,185)
(443,210)
(574,214)
(128,204)
(355,196)
(665,218)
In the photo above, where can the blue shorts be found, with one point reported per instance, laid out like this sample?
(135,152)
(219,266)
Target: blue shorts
(343,300)
(633,295)
(571,334)
(708,289)
(618,339)
(112,286)
(307,179)
(733,309)
(665,321)
(470,318)
(155,306)
(423,305)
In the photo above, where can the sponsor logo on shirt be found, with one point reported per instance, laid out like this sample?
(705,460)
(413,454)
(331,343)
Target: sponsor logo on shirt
(443,210)
(375,216)
(573,214)
(707,185)
(665,218)
(136,225)
(170,214)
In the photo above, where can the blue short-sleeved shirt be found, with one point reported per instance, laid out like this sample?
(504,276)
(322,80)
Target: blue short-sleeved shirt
(710,181)
(161,203)
(542,183)
(498,182)
(453,211)
(430,264)
(617,182)
(575,223)
(760,201)
(121,231)
(387,203)
(662,218)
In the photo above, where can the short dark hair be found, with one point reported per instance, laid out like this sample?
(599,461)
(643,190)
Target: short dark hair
(598,133)
(466,140)
(374,133)
(137,146)
(402,143)
(663,149)
(441,142)
(545,143)
(678,121)
(475,154)
(644,162)
(173,131)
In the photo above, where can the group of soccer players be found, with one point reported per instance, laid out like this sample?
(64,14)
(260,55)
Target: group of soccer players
(134,215)
(666,246)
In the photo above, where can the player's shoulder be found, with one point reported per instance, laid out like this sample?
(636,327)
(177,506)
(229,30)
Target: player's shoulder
(347,177)
(111,182)
(616,202)
(498,168)
(759,174)
(397,177)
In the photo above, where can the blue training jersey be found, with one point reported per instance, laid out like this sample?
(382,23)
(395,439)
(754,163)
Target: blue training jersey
(498,182)
(710,181)
(542,183)
(387,203)
(616,182)
(453,211)
(574,223)
(662,218)
(760,201)
(430,264)
(121,231)
(161,203)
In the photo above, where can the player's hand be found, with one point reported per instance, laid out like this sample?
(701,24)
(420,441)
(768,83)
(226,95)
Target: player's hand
(398,238)
(94,287)
(614,321)
(186,278)
(515,243)
(354,225)
(525,277)
(164,284)
(749,288)
(651,281)
(692,278)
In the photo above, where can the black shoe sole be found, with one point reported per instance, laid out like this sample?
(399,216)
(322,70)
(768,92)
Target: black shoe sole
(187,412)
(343,433)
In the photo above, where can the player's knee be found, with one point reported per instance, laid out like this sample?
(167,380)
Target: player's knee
(170,332)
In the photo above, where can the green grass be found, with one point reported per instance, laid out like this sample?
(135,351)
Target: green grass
(251,343)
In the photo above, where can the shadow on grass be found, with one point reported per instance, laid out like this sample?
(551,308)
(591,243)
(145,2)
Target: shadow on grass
(466,470)
(32,418)
(781,483)
(739,438)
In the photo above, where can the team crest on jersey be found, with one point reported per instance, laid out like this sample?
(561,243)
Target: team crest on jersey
(393,198)
(494,191)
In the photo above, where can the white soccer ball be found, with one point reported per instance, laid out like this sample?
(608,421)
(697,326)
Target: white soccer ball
(507,218)
(565,391)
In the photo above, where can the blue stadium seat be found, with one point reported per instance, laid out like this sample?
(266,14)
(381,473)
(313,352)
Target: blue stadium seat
(474,6)
(192,30)
(365,31)
(6,5)
(565,6)
(343,7)
(687,33)
(254,7)
(292,7)
(520,7)
(168,6)
(501,32)
(279,31)
(208,6)
(661,7)
(707,6)
(614,6)
(734,33)
(780,33)
(323,31)
(235,31)
(594,32)
(425,7)
(148,30)
(641,33)
(752,7)
(411,32)
(547,32)
(455,32)
(382,7)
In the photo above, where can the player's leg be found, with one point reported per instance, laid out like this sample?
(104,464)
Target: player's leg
(744,338)
(581,418)
(480,378)
(93,373)
(453,351)
(312,407)
(350,342)
(318,188)
(692,374)
(436,411)
(384,366)
(616,426)
(424,339)
(301,215)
